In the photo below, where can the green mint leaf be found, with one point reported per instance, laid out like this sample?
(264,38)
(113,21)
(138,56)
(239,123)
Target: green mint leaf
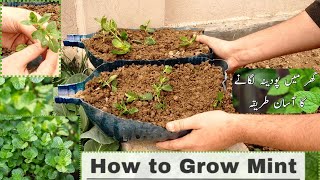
(21,47)
(146,97)
(2,81)
(33,18)
(26,22)
(119,52)
(117,43)
(167,87)
(133,110)
(57,143)
(30,153)
(124,35)
(18,83)
(311,104)
(45,18)
(167,69)
(150,41)
(112,78)
(39,34)
(54,45)
(131,96)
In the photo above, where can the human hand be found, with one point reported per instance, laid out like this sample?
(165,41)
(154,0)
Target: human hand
(215,130)
(15,33)
(224,49)
(16,64)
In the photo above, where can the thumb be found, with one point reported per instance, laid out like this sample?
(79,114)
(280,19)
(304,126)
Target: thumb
(183,124)
(28,54)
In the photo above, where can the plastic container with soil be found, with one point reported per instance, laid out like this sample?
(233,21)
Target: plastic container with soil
(98,46)
(39,7)
(210,73)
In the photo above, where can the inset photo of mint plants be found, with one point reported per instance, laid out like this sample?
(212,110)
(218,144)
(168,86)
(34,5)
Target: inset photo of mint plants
(31,35)
(276,91)
(39,148)
(24,96)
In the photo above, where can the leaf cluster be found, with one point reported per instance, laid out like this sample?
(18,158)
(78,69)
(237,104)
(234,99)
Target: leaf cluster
(111,83)
(298,90)
(185,41)
(26,96)
(38,148)
(122,107)
(49,36)
(163,85)
(218,101)
(119,39)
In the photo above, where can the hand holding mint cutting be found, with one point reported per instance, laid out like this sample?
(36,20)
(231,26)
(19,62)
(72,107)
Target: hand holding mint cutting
(31,36)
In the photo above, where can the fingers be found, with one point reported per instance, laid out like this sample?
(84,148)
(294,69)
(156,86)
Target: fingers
(27,55)
(183,143)
(183,124)
(204,39)
(49,66)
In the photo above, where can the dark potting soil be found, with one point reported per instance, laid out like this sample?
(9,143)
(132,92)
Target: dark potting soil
(53,9)
(195,88)
(167,45)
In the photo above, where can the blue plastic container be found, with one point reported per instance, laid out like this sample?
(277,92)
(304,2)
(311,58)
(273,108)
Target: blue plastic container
(124,129)
(75,40)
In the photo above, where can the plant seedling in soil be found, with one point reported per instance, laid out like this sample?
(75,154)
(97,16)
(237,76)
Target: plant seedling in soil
(132,96)
(162,86)
(47,36)
(185,42)
(120,39)
(145,27)
(21,47)
(218,101)
(150,41)
(124,110)
(111,83)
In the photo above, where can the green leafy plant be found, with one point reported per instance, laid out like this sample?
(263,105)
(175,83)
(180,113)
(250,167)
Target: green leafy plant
(49,36)
(26,96)
(311,93)
(184,41)
(150,41)
(132,96)
(145,27)
(39,148)
(122,107)
(218,101)
(111,83)
(120,39)
(163,85)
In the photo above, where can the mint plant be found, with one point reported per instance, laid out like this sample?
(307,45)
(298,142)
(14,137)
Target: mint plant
(132,96)
(111,83)
(163,85)
(122,107)
(120,39)
(38,148)
(218,101)
(49,36)
(145,27)
(185,42)
(150,41)
(26,96)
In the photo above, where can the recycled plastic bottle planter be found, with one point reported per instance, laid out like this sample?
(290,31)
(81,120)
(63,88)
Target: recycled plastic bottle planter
(77,41)
(124,129)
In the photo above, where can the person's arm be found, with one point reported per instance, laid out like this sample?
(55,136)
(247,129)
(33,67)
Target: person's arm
(295,35)
(218,130)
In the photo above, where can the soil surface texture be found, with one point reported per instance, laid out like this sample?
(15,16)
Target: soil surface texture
(167,45)
(195,88)
(53,9)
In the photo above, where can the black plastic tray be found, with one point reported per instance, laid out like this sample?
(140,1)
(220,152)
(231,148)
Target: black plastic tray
(123,129)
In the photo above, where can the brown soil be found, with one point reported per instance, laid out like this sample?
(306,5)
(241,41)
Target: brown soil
(54,9)
(167,45)
(194,90)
